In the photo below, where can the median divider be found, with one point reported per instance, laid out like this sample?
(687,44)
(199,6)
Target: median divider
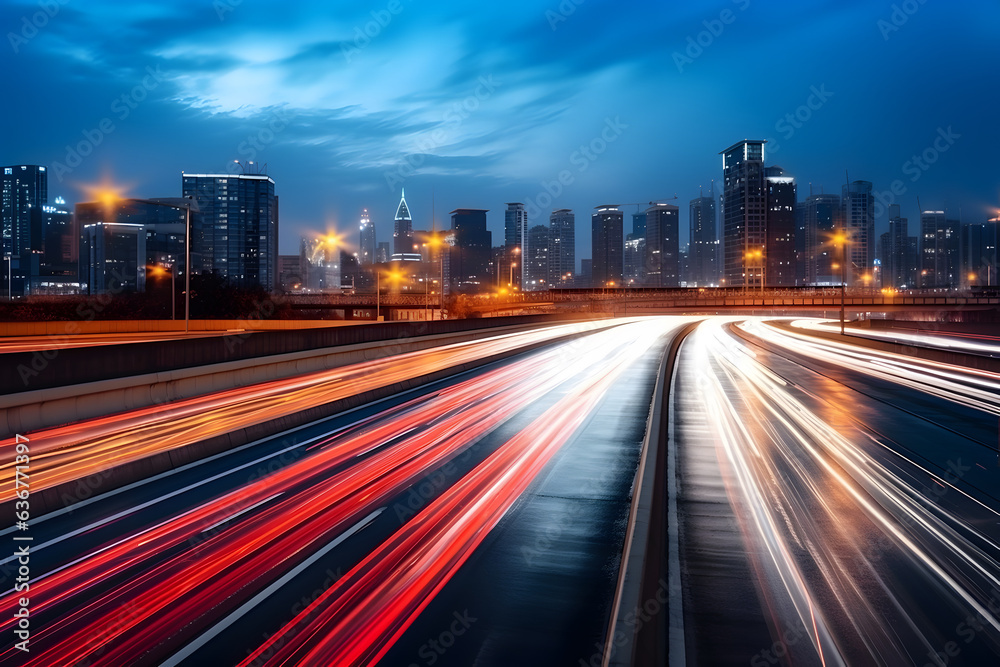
(636,637)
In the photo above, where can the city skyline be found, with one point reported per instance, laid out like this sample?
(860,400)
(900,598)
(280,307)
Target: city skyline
(510,138)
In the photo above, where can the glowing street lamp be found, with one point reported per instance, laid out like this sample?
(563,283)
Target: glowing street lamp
(840,239)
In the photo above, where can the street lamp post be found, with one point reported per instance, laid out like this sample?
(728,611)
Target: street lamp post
(841,239)
(378,294)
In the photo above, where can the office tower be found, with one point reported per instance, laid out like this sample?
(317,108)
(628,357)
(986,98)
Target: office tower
(703,243)
(562,247)
(319,263)
(800,243)
(939,251)
(382,252)
(639,224)
(822,221)
(586,277)
(112,258)
(366,252)
(663,246)
(899,257)
(858,213)
(635,259)
(23,193)
(60,243)
(107,229)
(979,253)
(607,241)
(536,259)
(402,230)
(515,237)
(779,252)
(469,255)
(744,214)
(235,233)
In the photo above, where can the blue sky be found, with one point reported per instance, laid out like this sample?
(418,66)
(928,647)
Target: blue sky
(482,104)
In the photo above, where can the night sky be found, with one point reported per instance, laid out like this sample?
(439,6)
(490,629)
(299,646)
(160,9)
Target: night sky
(484,103)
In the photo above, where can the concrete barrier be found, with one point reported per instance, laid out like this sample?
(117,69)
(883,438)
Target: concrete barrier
(644,558)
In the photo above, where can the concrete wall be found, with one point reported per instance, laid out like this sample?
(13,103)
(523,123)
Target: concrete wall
(72,328)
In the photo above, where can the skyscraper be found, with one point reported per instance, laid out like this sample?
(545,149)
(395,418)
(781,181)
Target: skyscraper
(858,213)
(939,251)
(744,213)
(979,253)
(562,247)
(366,253)
(663,265)
(402,230)
(24,190)
(515,237)
(536,260)
(779,252)
(319,263)
(635,260)
(899,257)
(469,257)
(61,244)
(235,235)
(704,242)
(822,222)
(607,243)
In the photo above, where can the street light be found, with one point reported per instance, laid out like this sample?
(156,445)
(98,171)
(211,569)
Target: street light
(759,255)
(840,238)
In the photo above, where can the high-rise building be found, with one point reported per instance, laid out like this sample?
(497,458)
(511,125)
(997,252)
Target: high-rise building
(639,224)
(382,252)
(586,277)
(24,192)
(858,214)
(940,244)
(536,259)
(469,256)
(779,252)
(635,259)
(979,253)
(366,253)
(235,234)
(60,244)
(899,256)
(663,266)
(402,230)
(112,258)
(107,229)
(290,273)
(822,221)
(744,214)
(562,247)
(515,237)
(607,246)
(704,242)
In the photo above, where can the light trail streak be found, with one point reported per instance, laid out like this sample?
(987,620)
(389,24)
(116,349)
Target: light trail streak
(178,578)
(944,340)
(356,621)
(67,453)
(813,498)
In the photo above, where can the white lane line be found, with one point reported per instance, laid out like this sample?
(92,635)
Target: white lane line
(215,630)
(242,511)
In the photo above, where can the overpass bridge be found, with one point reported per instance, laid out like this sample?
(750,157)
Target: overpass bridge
(641,301)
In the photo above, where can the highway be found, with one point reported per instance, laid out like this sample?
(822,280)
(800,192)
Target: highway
(489,507)
(838,506)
